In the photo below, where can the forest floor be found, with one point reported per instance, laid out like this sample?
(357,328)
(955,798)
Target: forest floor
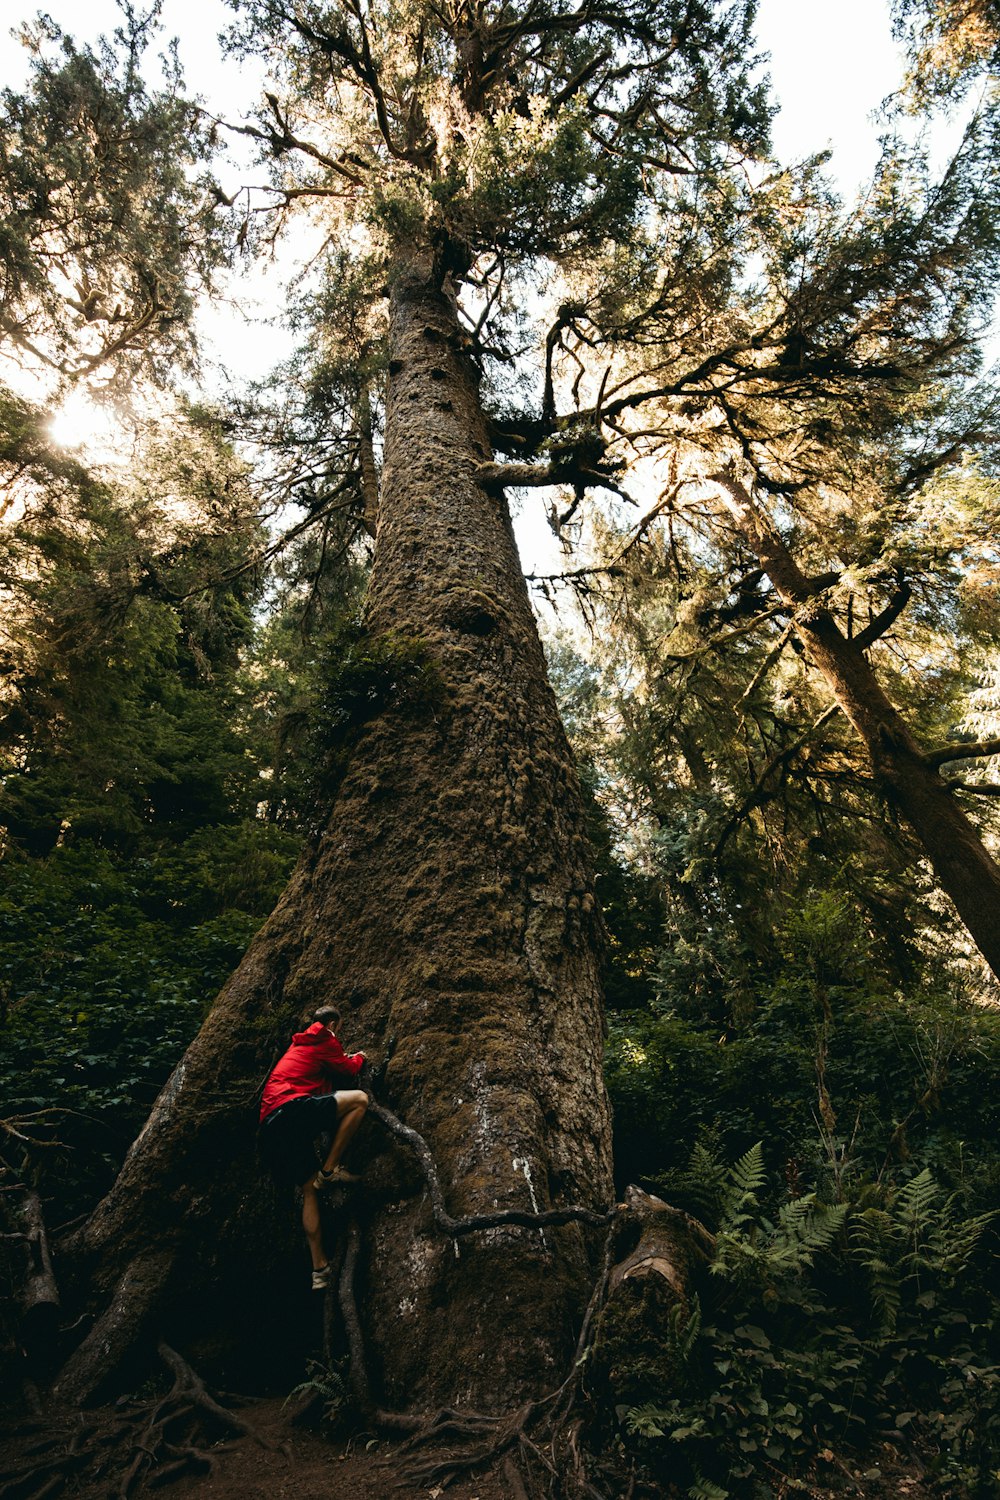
(288,1461)
(291,1461)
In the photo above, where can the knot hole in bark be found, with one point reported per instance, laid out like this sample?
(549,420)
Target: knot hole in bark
(472,614)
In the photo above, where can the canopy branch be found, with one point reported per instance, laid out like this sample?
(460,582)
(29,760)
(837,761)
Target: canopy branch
(757,793)
(885,619)
(973,750)
(538,476)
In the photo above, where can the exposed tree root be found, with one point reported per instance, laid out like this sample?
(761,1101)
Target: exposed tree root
(540,1447)
(137,1445)
(360,1388)
(187,1383)
(475,1222)
(497,1434)
(536,1446)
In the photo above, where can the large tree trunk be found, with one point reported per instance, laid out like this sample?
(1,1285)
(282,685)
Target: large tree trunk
(448,903)
(963,866)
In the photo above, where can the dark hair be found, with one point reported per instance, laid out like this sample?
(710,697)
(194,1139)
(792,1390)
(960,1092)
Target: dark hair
(326,1014)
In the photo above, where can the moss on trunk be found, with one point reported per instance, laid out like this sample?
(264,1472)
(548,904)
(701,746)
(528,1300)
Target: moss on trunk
(447,903)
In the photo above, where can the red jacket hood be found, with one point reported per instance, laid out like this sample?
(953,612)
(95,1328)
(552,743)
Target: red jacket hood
(317,1033)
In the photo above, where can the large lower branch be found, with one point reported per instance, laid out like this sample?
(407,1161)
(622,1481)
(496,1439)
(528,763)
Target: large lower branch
(538,476)
(977,750)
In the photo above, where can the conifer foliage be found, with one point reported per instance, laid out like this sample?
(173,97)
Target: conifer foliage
(551,256)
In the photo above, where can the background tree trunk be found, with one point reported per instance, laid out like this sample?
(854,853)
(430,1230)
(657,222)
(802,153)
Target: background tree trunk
(447,903)
(966,871)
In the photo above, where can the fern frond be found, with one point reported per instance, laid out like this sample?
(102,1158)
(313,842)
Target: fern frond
(746,1177)
(916,1201)
(683,1328)
(647,1421)
(803,1229)
(704,1489)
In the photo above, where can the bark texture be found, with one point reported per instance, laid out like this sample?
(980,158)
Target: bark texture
(964,868)
(448,904)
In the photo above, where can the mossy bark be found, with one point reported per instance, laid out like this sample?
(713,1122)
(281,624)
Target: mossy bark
(448,903)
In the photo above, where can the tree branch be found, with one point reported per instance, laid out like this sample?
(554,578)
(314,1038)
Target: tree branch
(885,619)
(973,750)
(502,476)
(755,794)
(538,476)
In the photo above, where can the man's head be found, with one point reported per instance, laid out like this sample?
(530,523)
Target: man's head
(329,1015)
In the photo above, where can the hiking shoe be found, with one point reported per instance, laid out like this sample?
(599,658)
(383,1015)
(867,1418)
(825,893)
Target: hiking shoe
(322,1278)
(336,1177)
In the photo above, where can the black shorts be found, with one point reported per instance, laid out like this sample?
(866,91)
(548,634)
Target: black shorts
(288,1135)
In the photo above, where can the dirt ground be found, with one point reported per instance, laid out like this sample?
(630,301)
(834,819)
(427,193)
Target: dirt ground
(312,1467)
(297,1461)
(87,1456)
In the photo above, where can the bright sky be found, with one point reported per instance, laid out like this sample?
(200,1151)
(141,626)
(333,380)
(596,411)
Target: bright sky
(832,62)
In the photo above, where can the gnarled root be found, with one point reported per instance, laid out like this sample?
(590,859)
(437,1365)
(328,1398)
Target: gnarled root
(134,1444)
(187,1396)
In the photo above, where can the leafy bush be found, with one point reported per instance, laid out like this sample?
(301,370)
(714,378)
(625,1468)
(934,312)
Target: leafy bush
(889,1078)
(850,1300)
(107,966)
(832,1327)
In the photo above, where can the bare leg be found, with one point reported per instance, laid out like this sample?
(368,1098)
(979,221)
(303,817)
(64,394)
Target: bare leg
(311,1225)
(351,1107)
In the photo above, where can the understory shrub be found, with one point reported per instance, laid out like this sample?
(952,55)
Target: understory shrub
(829,1332)
(851,1306)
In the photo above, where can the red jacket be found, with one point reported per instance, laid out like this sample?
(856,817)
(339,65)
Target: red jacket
(313,1064)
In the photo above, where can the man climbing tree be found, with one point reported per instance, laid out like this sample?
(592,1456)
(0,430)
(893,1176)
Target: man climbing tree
(459,154)
(299,1103)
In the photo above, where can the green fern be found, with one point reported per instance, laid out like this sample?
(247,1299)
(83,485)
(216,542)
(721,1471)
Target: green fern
(702,1184)
(704,1489)
(751,1249)
(683,1328)
(872,1236)
(913,1243)
(803,1229)
(746,1178)
(325,1381)
(647,1421)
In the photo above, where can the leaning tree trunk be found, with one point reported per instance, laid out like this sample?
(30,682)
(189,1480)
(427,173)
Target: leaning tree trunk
(447,903)
(962,864)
